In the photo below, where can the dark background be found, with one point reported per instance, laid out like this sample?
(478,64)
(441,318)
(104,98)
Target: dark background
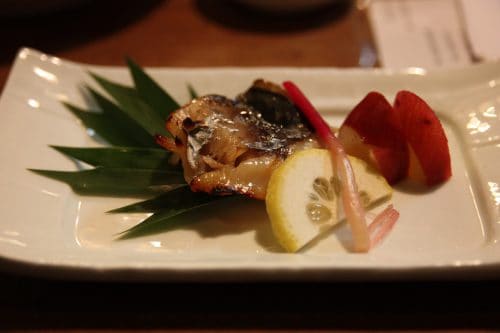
(218,33)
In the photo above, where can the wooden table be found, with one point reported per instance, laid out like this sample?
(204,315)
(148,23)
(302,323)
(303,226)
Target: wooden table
(219,33)
(188,33)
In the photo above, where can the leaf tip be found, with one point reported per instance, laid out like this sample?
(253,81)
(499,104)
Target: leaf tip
(192,92)
(124,235)
(113,211)
(38,171)
(130,62)
(60,149)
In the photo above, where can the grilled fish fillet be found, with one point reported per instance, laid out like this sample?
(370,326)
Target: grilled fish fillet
(232,146)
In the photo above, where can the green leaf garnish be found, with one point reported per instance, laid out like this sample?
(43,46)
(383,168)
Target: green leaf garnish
(154,95)
(161,222)
(122,122)
(192,93)
(171,217)
(131,103)
(135,165)
(115,181)
(121,157)
(103,126)
(179,198)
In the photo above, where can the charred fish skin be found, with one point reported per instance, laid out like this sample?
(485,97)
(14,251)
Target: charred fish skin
(229,147)
(273,104)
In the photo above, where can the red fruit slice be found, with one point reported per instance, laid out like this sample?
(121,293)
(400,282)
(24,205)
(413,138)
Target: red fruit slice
(429,154)
(372,132)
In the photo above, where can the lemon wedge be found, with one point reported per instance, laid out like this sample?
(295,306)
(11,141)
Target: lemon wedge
(302,197)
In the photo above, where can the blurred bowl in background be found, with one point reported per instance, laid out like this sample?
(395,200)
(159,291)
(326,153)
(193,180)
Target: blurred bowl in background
(289,6)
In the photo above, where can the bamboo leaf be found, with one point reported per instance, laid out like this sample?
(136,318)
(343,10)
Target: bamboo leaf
(179,198)
(170,218)
(121,157)
(151,92)
(192,92)
(175,213)
(160,222)
(122,122)
(129,101)
(103,126)
(114,181)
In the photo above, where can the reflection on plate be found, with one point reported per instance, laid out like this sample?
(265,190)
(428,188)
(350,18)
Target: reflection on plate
(46,229)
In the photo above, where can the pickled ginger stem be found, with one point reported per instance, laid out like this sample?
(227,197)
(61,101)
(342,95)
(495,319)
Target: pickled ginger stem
(353,208)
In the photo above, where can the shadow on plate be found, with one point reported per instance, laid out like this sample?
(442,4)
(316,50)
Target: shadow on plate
(234,216)
(239,16)
(61,27)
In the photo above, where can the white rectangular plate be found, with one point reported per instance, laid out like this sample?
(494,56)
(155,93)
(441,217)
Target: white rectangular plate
(46,229)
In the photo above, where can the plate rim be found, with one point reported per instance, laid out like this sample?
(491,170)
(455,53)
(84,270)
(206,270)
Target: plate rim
(217,274)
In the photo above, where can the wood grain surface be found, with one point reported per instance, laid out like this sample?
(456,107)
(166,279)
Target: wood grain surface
(189,33)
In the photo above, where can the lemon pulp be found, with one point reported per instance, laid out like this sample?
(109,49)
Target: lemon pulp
(302,197)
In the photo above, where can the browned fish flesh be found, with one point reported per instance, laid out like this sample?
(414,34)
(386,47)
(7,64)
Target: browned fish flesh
(232,146)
